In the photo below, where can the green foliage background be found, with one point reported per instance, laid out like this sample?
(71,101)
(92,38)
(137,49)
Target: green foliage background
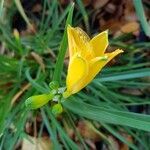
(102,102)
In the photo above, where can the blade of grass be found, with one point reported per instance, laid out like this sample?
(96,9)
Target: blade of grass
(84,14)
(98,113)
(117,135)
(34,83)
(21,10)
(138,73)
(20,127)
(61,131)
(75,130)
(5,109)
(49,128)
(63,48)
(1,7)
(141,15)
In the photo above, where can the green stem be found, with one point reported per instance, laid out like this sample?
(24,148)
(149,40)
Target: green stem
(1,7)
(141,15)
(21,10)
(63,48)
(84,14)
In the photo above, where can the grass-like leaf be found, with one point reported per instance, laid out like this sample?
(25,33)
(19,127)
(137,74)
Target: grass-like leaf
(63,48)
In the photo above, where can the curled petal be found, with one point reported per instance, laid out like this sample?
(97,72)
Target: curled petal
(77,70)
(99,43)
(96,65)
(113,54)
(99,62)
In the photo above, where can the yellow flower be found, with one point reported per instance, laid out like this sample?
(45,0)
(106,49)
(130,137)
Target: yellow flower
(87,58)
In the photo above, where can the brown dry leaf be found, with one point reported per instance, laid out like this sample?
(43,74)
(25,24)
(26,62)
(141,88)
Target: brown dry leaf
(136,92)
(117,145)
(64,2)
(86,2)
(114,143)
(91,144)
(112,24)
(130,27)
(30,30)
(18,94)
(116,14)
(69,129)
(37,144)
(111,8)
(39,60)
(87,131)
(37,8)
(125,146)
(2,48)
(129,11)
(99,3)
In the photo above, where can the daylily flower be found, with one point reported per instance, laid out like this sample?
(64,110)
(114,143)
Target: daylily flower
(87,58)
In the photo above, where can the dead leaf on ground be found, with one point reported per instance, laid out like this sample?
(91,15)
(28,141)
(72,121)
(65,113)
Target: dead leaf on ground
(86,129)
(37,144)
(97,4)
(39,60)
(130,27)
(135,92)
(37,8)
(114,143)
(19,93)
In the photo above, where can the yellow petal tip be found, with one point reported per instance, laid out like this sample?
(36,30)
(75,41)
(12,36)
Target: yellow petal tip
(106,32)
(120,50)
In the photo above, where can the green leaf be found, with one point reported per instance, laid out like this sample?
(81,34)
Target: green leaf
(35,84)
(1,8)
(21,10)
(63,48)
(50,130)
(107,115)
(65,138)
(141,15)
(84,14)
(137,73)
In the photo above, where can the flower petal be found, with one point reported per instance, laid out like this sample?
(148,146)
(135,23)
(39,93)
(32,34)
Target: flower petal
(71,41)
(100,43)
(96,65)
(82,34)
(99,62)
(78,41)
(87,51)
(113,54)
(77,70)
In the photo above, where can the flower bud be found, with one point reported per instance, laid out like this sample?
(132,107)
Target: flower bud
(16,34)
(57,109)
(38,101)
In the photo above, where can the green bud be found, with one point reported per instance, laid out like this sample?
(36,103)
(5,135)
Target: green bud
(57,109)
(16,35)
(54,85)
(38,101)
